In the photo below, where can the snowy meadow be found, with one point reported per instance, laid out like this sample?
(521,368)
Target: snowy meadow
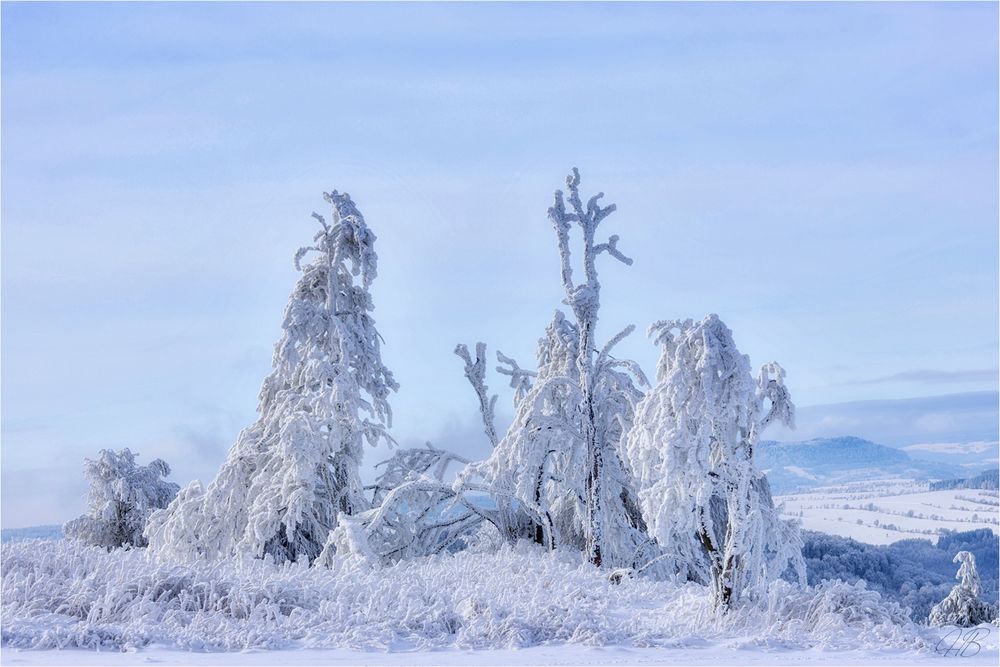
(63,595)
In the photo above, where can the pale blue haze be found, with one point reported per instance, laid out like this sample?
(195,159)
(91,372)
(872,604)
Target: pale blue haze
(822,176)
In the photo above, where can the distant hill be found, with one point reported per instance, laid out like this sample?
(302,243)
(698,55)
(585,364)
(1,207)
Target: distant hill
(959,418)
(31,533)
(792,466)
(988,479)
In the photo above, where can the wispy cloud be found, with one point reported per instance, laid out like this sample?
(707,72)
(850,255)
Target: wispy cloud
(928,376)
(962,417)
(975,447)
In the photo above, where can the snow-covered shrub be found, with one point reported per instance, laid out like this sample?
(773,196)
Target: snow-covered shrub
(691,451)
(839,615)
(415,512)
(64,594)
(293,472)
(405,464)
(122,496)
(963,606)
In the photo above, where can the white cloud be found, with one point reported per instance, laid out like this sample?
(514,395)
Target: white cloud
(954,447)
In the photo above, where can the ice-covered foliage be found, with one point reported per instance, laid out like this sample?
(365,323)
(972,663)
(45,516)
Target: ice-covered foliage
(963,607)
(558,471)
(412,463)
(122,496)
(539,470)
(64,594)
(293,472)
(691,451)
(415,512)
(521,379)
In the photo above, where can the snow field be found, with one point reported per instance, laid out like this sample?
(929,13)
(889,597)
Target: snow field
(60,594)
(883,512)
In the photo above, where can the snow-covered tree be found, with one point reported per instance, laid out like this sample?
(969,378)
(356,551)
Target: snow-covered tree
(122,496)
(963,606)
(691,451)
(295,470)
(559,462)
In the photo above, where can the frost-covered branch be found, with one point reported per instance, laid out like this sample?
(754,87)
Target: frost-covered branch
(421,516)
(611,247)
(771,387)
(520,378)
(475,372)
(405,463)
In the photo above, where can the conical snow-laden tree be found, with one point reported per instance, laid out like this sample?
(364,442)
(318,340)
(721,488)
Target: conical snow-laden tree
(560,459)
(292,472)
(691,451)
(963,606)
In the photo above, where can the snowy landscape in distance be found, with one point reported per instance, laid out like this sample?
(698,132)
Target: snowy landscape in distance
(235,433)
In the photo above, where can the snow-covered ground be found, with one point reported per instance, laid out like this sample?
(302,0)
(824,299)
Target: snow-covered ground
(507,606)
(559,654)
(886,511)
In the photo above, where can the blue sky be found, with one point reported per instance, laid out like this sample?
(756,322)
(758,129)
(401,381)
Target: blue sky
(824,177)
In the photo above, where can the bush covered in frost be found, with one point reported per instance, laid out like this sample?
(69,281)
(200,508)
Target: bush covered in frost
(66,594)
(122,497)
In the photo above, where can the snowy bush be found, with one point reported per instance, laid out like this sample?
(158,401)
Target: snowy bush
(963,606)
(691,451)
(295,470)
(122,496)
(64,594)
(415,513)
